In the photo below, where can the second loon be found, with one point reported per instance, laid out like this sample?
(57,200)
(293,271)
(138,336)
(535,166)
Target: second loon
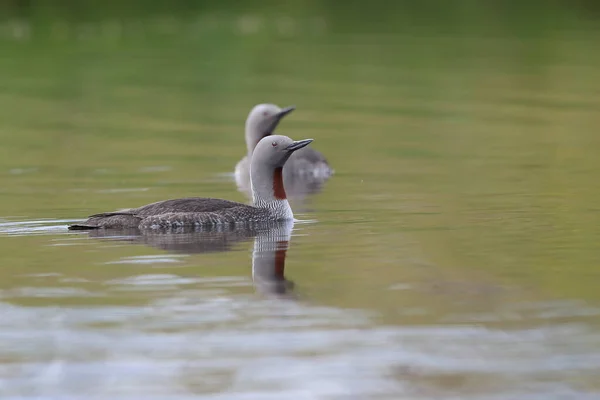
(306,169)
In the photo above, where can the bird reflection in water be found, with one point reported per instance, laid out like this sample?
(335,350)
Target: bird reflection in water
(271,242)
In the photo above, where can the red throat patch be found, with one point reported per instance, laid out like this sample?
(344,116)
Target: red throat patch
(278,189)
(280,258)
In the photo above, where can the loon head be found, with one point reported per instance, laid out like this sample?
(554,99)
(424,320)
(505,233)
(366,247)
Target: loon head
(266,166)
(262,121)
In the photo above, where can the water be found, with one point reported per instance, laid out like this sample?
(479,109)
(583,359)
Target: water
(453,255)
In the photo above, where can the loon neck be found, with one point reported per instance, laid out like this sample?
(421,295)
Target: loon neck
(250,146)
(252,138)
(278,188)
(268,190)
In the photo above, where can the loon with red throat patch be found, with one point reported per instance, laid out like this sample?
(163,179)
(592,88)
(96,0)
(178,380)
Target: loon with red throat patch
(269,198)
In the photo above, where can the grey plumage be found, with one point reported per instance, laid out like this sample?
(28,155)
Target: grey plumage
(177,213)
(230,216)
(133,217)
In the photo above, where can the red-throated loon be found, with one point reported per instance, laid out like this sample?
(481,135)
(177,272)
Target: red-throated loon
(269,198)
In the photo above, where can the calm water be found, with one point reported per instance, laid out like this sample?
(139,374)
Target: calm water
(453,255)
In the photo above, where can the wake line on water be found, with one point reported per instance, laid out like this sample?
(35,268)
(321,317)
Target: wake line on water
(35,227)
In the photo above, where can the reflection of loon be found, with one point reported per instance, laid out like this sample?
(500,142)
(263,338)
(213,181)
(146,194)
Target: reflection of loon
(305,172)
(271,242)
(268,260)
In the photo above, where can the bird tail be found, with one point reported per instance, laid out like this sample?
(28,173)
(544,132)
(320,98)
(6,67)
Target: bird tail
(81,227)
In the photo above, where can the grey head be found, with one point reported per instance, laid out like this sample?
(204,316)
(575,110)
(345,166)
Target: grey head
(262,121)
(266,166)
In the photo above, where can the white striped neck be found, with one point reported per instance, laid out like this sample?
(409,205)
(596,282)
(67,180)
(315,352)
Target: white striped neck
(268,190)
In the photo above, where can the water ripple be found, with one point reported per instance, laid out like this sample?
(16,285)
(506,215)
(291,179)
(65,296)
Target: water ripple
(149,259)
(35,227)
(194,343)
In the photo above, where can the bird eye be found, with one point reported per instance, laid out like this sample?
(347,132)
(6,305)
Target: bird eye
(274,144)
(265,113)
